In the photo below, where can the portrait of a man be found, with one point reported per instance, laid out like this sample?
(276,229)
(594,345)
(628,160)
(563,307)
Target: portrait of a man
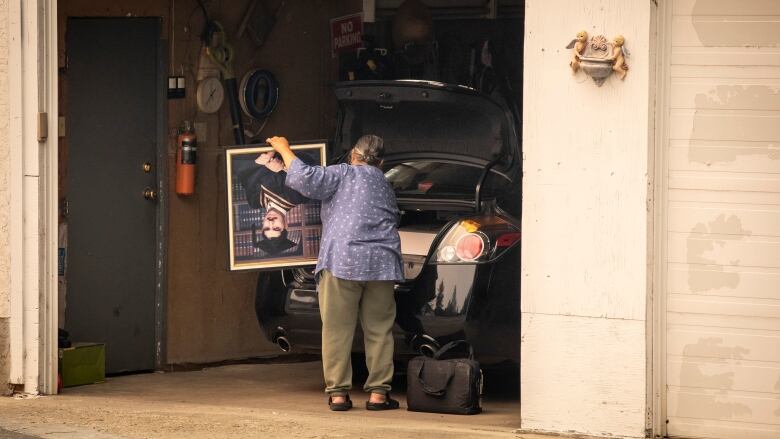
(273,236)
(270,225)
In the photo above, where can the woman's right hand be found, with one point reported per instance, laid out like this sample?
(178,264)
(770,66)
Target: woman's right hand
(282,146)
(279,144)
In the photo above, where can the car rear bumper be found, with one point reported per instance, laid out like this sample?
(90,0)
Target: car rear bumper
(476,303)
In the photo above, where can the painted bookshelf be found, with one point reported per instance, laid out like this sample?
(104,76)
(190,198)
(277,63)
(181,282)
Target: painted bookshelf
(303,226)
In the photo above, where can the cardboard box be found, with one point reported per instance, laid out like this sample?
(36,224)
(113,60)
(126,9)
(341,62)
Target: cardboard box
(83,363)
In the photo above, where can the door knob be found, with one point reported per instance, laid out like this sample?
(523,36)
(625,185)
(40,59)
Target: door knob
(150,194)
(147,167)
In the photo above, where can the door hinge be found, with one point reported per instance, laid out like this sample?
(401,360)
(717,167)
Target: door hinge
(43,127)
(64,207)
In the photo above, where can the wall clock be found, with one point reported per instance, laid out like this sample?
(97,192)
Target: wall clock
(210,95)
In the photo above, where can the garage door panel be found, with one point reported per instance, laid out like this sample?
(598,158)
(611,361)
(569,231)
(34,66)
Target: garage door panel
(739,375)
(735,198)
(755,408)
(725,343)
(698,320)
(724,306)
(725,56)
(725,181)
(724,73)
(725,94)
(725,7)
(716,280)
(741,125)
(726,250)
(726,30)
(695,428)
(724,156)
(724,219)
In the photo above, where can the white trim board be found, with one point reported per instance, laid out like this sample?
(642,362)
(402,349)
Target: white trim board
(33,216)
(15,185)
(660,203)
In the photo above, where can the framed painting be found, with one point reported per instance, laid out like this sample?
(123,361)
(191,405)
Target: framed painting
(269,224)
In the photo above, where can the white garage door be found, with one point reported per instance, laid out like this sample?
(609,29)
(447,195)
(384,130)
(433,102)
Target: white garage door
(722,153)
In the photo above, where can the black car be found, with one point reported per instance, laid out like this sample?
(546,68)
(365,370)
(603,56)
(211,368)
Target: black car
(453,158)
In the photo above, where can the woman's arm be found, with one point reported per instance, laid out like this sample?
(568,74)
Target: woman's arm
(316,182)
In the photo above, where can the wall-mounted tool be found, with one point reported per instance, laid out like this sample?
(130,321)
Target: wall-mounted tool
(258,21)
(222,54)
(258,94)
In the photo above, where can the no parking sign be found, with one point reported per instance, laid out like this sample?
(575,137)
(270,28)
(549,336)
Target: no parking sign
(346,33)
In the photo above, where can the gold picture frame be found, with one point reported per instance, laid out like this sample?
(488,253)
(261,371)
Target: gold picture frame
(270,226)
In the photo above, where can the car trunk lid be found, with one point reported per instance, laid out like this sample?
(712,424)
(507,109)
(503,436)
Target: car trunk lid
(427,118)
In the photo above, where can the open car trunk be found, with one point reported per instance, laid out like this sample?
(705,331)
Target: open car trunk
(429,119)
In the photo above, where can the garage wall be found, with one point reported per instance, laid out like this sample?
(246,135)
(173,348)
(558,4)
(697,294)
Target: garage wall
(585,223)
(210,311)
(5,261)
(722,216)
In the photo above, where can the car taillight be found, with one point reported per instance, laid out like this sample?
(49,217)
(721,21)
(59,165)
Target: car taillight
(476,240)
(470,247)
(507,239)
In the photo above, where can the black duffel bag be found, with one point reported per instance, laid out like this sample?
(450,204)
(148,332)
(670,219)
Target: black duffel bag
(439,385)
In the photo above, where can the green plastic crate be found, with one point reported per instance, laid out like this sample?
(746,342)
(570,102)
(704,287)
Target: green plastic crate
(82,363)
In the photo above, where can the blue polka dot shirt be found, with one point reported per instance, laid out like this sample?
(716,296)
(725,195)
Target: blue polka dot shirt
(359,220)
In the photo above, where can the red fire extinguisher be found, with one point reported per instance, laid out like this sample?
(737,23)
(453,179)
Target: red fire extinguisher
(186,158)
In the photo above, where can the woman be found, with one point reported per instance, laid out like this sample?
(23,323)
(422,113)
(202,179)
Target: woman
(358,264)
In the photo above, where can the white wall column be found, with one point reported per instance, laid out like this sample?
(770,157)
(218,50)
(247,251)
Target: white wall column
(33,190)
(586,223)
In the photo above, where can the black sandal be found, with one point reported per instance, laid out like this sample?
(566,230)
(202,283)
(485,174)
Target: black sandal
(388,404)
(341,406)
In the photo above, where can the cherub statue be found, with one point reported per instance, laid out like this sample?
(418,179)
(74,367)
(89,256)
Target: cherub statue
(578,44)
(619,55)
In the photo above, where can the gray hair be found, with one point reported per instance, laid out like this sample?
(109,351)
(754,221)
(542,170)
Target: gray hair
(370,149)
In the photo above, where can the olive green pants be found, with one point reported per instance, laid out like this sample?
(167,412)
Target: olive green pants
(342,302)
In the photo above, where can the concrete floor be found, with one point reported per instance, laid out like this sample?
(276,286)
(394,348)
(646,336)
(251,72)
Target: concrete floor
(239,401)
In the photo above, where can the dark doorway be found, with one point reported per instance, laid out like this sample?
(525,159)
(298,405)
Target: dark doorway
(113,112)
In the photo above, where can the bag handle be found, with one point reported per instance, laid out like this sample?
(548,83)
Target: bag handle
(434,391)
(447,347)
